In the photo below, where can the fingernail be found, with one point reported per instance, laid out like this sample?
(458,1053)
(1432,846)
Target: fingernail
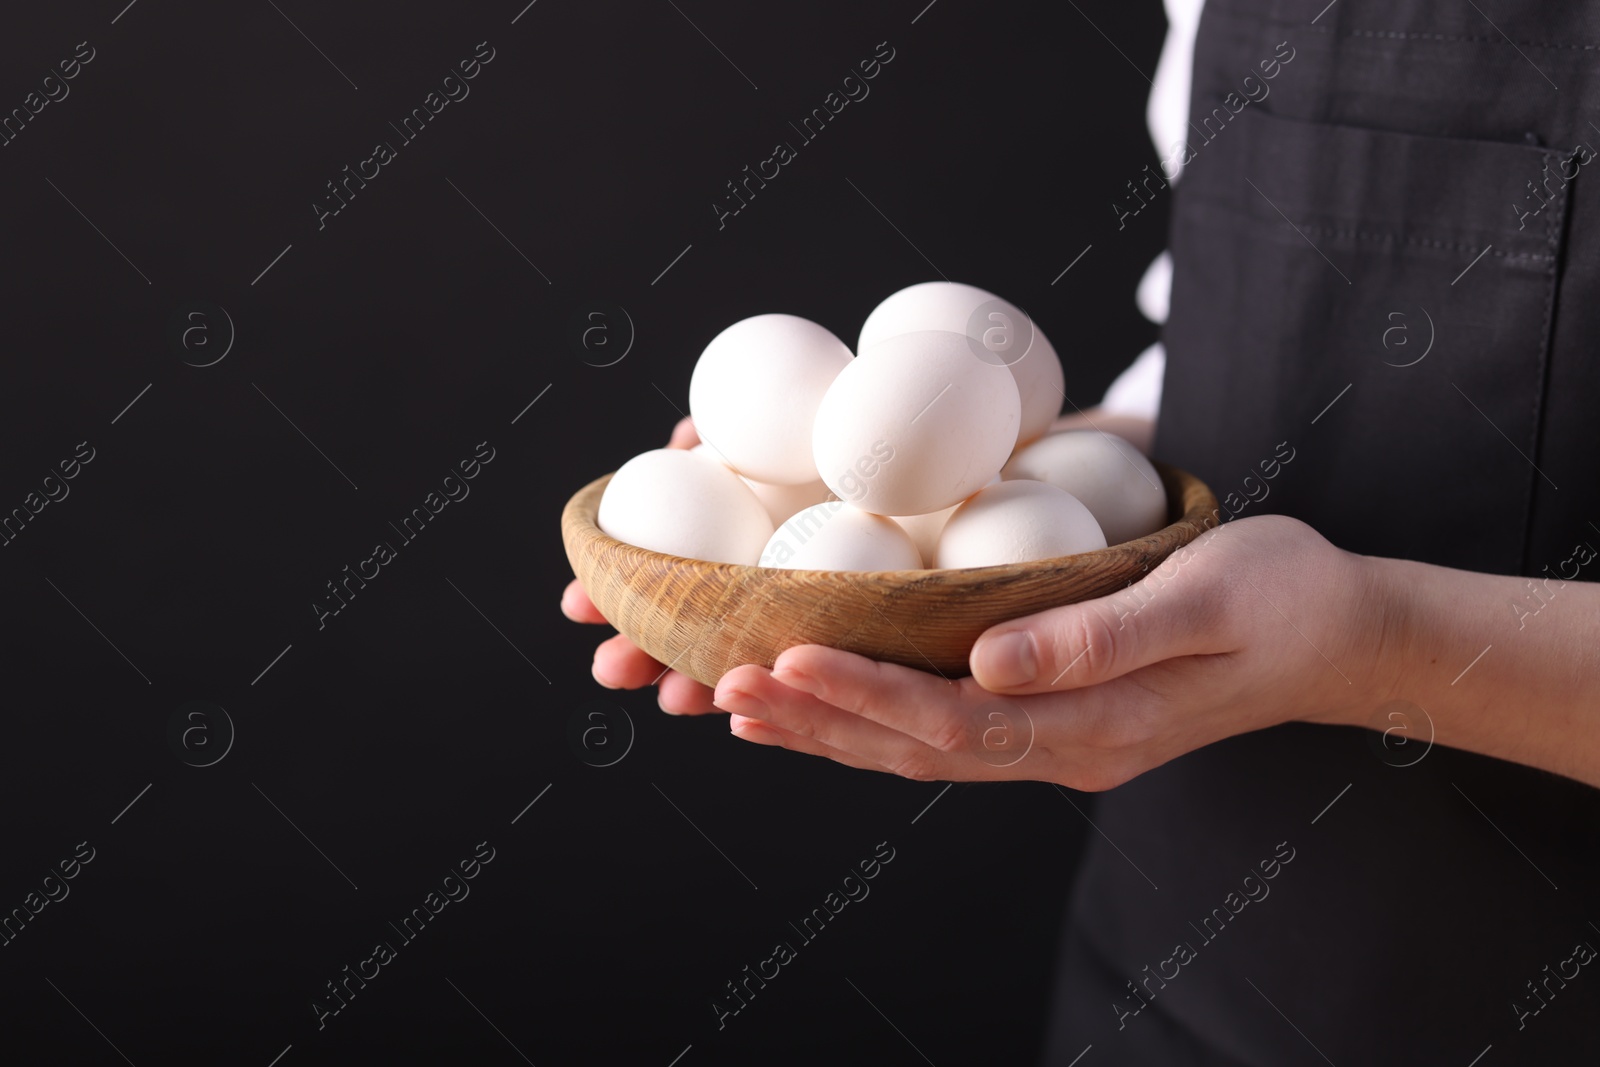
(661,702)
(751,730)
(594,669)
(1005,661)
(740,703)
(796,679)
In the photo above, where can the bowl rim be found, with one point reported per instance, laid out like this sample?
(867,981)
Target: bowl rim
(1186,493)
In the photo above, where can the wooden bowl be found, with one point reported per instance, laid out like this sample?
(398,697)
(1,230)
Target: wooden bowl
(703,619)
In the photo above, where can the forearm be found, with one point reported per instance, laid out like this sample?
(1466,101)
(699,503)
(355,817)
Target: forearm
(1504,666)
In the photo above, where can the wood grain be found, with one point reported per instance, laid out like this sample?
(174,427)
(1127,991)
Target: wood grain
(703,619)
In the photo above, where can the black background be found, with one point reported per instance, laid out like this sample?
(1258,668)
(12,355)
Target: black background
(415,724)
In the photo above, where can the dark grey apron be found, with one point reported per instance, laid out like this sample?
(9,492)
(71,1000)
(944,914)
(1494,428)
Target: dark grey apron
(1387,259)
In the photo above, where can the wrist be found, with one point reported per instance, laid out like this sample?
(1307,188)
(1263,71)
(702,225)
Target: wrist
(1438,626)
(1453,644)
(1390,632)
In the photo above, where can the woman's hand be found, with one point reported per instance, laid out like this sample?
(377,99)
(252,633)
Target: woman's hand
(618,662)
(1255,623)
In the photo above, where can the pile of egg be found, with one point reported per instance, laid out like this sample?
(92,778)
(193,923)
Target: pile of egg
(929,449)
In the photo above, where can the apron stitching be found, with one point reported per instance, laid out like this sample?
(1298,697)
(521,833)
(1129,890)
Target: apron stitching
(1384,237)
(1552,239)
(1392,238)
(1461,38)
(1257,16)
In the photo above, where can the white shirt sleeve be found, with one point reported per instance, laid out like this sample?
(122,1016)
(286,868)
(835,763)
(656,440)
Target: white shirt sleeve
(1137,390)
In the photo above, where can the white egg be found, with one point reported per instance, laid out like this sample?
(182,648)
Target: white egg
(1112,478)
(1017,522)
(785,501)
(924,529)
(918,423)
(781,501)
(755,390)
(837,537)
(671,500)
(997,327)
(703,449)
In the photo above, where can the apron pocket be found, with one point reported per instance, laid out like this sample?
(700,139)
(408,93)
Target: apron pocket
(1372,303)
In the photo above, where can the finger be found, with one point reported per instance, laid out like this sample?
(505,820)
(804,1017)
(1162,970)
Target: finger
(679,694)
(934,710)
(576,605)
(764,733)
(684,434)
(620,664)
(1135,429)
(1165,616)
(759,693)
(756,693)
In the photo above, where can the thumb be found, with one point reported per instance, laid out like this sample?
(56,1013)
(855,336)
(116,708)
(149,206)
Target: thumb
(1094,641)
